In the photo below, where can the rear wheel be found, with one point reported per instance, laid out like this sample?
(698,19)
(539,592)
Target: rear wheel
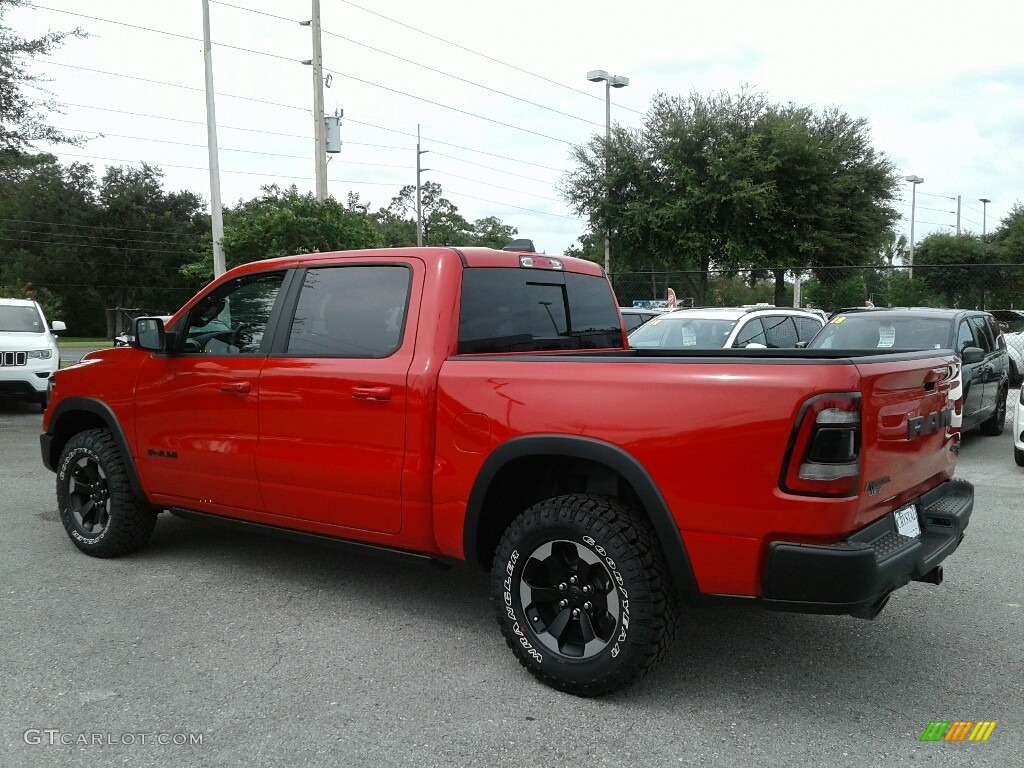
(1018,456)
(98,506)
(993,425)
(583,594)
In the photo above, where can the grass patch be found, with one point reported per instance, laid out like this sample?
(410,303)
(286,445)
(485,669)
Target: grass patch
(80,343)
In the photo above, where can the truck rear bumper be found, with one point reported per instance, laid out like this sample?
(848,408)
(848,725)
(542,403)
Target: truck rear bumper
(856,576)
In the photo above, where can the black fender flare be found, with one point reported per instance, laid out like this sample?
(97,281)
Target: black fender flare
(600,452)
(98,408)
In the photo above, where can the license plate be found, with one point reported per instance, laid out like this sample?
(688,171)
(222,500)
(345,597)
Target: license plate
(906,522)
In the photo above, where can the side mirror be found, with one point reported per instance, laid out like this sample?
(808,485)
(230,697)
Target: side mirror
(755,345)
(802,344)
(972,355)
(57,325)
(148,333)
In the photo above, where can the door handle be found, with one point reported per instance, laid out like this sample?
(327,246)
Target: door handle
(238,387)
(371,393)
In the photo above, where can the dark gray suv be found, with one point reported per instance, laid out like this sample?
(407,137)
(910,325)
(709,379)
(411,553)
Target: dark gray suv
(972,334)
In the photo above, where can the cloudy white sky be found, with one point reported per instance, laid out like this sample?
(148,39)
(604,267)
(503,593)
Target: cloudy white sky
(941,84)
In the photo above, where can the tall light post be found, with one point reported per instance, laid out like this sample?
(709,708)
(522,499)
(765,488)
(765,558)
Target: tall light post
(610,81)
(216,209)
(984,209)
(914,181)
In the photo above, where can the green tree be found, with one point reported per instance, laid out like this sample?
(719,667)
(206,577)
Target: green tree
(283,222)
(589,246)
(23,119)
(953,267)
(47,219)
(738,183)
(442,222)
(146,235)
(491,232)
(92,246)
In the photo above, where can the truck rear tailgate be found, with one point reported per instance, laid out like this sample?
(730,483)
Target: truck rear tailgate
(906,429)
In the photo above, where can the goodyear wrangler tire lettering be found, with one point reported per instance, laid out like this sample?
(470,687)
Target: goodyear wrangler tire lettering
(584,599)
(99,510)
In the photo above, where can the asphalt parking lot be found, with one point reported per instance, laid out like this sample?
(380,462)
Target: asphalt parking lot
(277,653)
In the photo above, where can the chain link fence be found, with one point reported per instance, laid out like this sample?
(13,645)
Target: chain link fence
(966,286)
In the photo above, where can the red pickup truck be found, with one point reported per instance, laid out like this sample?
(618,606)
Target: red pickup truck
(483,405)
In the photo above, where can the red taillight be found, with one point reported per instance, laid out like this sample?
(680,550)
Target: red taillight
(823,458)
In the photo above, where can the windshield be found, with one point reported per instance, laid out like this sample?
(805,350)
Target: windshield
(683,331)
(20,320)
(867,331)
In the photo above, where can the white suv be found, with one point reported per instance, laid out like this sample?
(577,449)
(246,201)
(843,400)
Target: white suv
(711,328)
(28,351)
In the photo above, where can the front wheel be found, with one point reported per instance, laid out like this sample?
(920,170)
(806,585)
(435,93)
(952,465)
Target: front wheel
(1018,456)
(583,594)
(98,506)
(993,425)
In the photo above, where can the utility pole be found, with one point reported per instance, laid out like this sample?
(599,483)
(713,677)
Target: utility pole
(319,126)
(216,209)
(419,204)
(958,215)
(984,210)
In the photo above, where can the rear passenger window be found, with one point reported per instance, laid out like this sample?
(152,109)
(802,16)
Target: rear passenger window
(780,331)
(751,333)
(352,311)
(806,328)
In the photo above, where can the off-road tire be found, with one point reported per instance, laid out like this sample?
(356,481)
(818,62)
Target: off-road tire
(101,512)
(594,551)
(993,425)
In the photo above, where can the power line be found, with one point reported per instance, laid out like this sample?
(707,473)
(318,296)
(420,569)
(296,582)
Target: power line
(923,208)
(223,170)
(104,134)
(342,74)
(176,85)
(487,184)
(446,106)
(170,34)
(92,226)
(94,245)
(485,56)
(108,237)
(931,194)
(509,205)
(489,167)
(462,79)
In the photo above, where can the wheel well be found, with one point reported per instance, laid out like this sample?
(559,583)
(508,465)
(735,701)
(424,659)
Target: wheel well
(525,481)
(69,425)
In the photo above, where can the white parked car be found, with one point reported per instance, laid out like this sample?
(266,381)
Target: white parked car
(28,351)
(728,327)
(1018,429)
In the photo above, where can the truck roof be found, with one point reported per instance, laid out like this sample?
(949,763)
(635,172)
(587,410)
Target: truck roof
(470,257)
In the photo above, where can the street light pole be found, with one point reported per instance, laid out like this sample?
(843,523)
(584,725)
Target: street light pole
(610,81)
(984,209)
(216,209)
(914,181)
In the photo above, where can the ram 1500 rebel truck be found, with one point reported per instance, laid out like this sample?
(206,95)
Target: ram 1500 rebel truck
(484,405)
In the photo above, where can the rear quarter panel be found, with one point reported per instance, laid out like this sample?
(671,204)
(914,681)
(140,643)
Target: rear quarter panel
(711,433)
